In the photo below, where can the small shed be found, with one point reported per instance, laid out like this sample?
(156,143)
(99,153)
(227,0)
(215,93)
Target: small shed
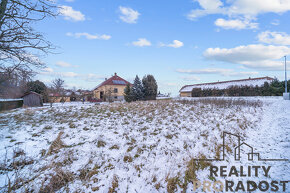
(32,99)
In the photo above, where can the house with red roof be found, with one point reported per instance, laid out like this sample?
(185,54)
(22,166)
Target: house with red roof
(111,89)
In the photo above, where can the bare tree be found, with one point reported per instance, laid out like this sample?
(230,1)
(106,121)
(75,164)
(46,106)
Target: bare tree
(57,87)
(108,95)
(20,45)
(14,85)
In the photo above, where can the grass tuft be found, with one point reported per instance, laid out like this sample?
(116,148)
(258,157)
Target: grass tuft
(56,145)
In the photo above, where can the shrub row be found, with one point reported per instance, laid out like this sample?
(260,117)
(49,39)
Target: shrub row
(275,88)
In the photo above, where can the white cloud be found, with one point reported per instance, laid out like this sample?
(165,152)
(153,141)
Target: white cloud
(279,38)
(255,55)
(236,24)
(174,44)
(129,15)
(70,14)
(220,71)
(210,4)
(89,36)
(267,65)
(190,78)
(240,54)
(204,71)
(93,77)
(141,42)
(87,77)
(68,74)
(275,22)
(209,7)
(63,64)
(49,70)
(171,84)
(247,8)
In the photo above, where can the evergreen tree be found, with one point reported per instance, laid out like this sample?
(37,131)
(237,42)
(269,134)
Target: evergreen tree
(38,87)
(150,87)
(137,90)
(128,93)
(196,92)
(277,88)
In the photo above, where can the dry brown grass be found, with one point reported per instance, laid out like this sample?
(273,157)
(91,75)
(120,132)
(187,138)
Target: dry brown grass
(114,147)
(56,145)
(192,167)
(221,102)
(57,181)
(18,152)
(10,169)
(157,186)
(115,184)
(172,184)
(86,173)
(218,150)
(101,143)
(127,158)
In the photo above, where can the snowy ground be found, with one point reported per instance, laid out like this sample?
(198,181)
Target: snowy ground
(138,147)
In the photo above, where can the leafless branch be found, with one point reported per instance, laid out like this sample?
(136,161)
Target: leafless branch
(20,45)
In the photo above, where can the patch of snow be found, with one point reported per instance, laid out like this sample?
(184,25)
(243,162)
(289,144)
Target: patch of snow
(1,100)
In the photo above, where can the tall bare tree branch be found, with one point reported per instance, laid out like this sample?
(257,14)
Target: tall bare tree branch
(20,45)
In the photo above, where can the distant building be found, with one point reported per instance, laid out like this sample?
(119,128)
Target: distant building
(111,89)
(57,98)
(186,91)
(32,99)
(8,104)
(88,95)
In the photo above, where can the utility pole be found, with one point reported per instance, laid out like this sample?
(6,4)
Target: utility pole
(286,95)
(285,74)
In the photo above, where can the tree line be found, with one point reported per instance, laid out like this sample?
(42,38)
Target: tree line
(275,88)
(141,90)
(57,86)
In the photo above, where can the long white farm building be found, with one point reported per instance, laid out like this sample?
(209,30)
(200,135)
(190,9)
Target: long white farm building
(186,90)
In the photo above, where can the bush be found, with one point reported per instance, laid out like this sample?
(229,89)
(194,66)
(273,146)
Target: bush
(127,93)
(149,87)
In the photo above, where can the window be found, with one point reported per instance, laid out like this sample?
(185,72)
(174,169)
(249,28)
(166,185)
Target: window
(121,82)
(116,97)
(115,90)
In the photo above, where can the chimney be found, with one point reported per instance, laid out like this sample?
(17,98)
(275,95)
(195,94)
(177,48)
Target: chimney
(115,74)
(106,79)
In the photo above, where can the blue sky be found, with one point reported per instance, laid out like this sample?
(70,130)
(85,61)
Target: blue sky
(179,42)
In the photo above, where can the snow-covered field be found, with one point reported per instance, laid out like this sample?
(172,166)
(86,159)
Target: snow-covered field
(140,146)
